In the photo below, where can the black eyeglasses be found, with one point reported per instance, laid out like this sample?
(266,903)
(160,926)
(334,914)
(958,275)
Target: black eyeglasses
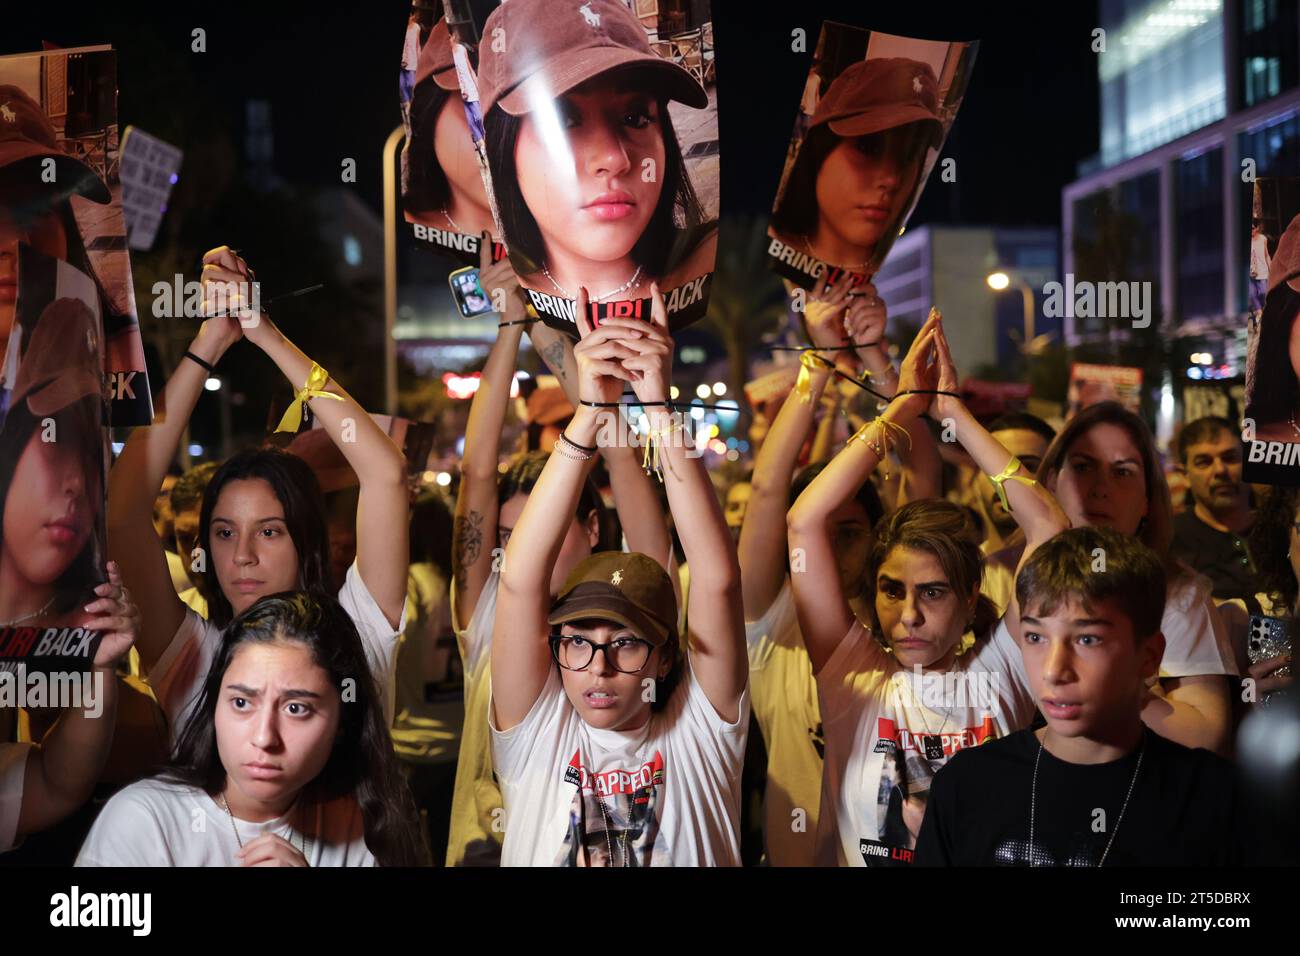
(627,655)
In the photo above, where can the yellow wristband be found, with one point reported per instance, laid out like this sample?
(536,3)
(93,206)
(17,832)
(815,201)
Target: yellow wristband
(1009,474)
(314,387)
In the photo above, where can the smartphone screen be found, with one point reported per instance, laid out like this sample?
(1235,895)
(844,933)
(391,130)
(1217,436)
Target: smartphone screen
(469,295)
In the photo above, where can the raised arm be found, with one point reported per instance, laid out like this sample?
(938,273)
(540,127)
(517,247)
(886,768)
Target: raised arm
(717,625)
(823,609)
(133,485)
(383,516)
(762,548)
(1034,507)
(474,533)
(520,652)
(61,773)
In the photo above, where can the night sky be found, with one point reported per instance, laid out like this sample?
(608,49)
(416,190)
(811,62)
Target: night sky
(330,74)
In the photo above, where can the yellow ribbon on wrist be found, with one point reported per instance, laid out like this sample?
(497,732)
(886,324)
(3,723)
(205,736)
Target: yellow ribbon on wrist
(886,440)
(1009,474)
(809,362)
(652,460)
(314,387)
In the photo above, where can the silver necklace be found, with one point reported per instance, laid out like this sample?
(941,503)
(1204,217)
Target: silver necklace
(932,743)
(27,617)
(600,298)
(1033,802)
(807,244)
(302,831)
(609,822)
(450,220)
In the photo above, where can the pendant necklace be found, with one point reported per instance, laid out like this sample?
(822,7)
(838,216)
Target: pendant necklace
(600,298)
(225,805)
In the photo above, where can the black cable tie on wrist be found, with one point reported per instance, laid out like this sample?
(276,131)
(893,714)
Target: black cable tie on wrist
(190,355)
(926,391)
(502,325)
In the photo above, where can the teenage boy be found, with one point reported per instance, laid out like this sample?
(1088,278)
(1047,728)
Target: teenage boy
(1211,535)
(1094,786)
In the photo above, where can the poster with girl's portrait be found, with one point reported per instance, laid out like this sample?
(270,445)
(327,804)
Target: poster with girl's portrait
(1272,271)
(53,455)
(600,134)
(444,202)
(872,118)
(61,195)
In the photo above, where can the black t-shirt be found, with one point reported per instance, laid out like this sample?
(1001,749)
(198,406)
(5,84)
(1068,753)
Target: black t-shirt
(1221,556)
(1183,809)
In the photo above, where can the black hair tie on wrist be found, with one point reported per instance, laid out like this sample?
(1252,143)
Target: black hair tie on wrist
(190,355)
(502,325)
(589,451)
(625,404)
(926,391)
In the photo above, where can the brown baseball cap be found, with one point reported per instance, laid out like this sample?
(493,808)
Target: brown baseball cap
(63,361)
(551,46)
(27,134)
(631,589)
(880,94)
(1285,265)
(436,60)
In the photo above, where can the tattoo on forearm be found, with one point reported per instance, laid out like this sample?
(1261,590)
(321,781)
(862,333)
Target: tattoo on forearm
(553,355)
(468,538)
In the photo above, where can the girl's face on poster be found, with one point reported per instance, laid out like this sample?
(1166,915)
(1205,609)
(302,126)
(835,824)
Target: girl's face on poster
(863,185)
(454,149)
(921,614)
(44,233)
(51,510)
(591,170)
(250,544)
(1101,481)
(276,719)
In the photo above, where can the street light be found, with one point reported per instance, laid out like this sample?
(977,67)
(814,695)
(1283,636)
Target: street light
(999,281)
(1032,344)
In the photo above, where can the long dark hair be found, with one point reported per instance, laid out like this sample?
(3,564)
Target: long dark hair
(1270,538)
(298,491)
(1157,529)
(79,425)
(946,530)
(678,206)
(427,188)
(361,764)
(1274,392)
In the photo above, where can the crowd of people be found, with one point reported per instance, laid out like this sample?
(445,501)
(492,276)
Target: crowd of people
(926,640)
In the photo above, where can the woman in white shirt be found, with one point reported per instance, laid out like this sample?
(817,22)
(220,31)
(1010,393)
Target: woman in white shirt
(286,762)
(613,746)
(263,525)
(900,697)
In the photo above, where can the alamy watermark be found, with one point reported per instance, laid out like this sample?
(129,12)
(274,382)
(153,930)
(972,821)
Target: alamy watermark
(1098,300)
(79,690)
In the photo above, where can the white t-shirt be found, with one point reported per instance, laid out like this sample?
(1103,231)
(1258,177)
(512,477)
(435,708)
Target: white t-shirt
(177,678)
(156,823)
(784,694)
(888,733)
(667,794)
(13,770)
(477,821)
(411,47)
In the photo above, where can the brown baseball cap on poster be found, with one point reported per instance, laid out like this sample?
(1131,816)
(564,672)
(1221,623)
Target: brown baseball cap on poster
(548,47)
(436,60)
(1285,265)
(62,363)
(628,588)
(880,94)
(27,134)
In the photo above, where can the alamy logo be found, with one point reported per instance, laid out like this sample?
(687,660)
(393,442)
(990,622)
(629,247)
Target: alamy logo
(132,910)
(1098,300)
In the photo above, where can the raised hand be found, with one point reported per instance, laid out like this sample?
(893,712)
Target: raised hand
(270,850)
(600,355)
(651,364)
(919,371)
(228,286)
(865,318)
(499,281)
(116,616)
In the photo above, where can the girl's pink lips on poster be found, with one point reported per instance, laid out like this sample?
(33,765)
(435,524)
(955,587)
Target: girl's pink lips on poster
(612,205)
(874,212)
(65,530)
(246,585)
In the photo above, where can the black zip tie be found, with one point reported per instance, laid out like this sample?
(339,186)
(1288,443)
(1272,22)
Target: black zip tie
(269,302)
(502,325)
(672,405)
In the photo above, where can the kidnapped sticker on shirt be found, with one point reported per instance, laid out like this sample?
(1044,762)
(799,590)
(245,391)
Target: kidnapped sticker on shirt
(910,761)
(614,817)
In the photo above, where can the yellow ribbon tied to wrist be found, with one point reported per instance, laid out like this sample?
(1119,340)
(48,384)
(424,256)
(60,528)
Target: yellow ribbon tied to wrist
(1009,474)
(885,442)
(314,387)
(809,362)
